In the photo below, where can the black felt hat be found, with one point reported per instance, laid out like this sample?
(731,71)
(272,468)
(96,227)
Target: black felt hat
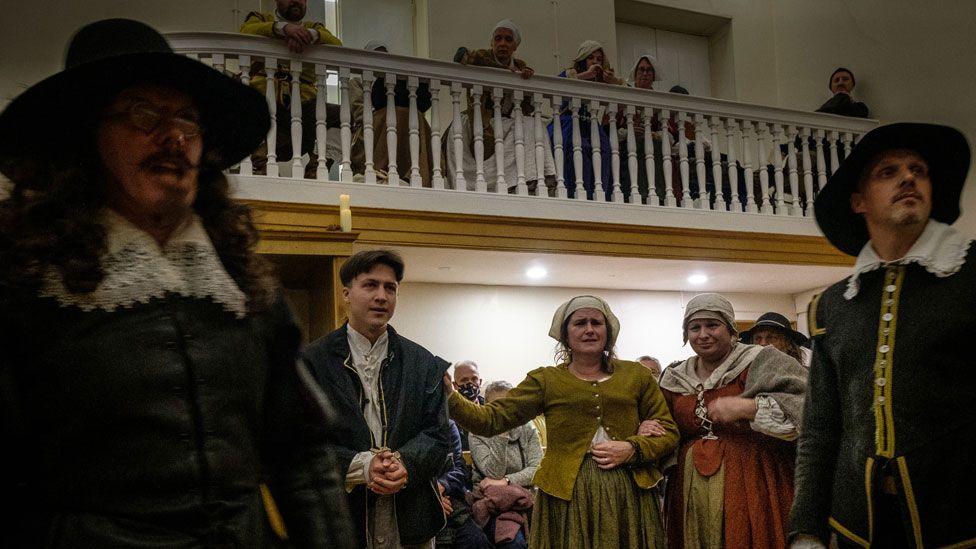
(945,150)
(774,320)
(108,56)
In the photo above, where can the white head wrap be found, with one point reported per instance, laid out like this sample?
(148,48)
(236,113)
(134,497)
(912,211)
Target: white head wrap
(586,48)
(653,61)
(510,25)
(584,302)
(374,45)
(708,306)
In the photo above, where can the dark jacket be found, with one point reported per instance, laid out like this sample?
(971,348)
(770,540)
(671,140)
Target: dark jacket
(154,425)
(456,478)
(843,105)
(898,400)
(417,425)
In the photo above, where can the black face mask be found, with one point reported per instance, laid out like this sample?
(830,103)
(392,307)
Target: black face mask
(469,391)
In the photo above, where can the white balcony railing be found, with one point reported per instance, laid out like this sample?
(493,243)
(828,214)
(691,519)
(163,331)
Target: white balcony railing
(718,155)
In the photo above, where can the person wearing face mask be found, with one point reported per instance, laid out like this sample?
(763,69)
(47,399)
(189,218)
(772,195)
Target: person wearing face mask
(467,380)
(597,479)
(841,87)
(737,407)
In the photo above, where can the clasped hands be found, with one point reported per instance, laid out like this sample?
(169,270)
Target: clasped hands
(387,475)
(297,37)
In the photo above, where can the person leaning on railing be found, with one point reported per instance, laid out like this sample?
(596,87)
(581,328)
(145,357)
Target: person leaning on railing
(505,40)
(646,71)
(401,102)
(589,64)
(287,23)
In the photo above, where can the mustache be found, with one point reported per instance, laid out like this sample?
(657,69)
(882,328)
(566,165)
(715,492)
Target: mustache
(171,157)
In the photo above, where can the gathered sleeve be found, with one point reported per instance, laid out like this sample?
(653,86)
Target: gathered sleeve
(523,403)
(653,406)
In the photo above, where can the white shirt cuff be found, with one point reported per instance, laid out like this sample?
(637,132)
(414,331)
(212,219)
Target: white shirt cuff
(358,472)
(770,419)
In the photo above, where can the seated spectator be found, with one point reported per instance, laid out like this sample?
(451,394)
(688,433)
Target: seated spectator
(589,64)
(505,40)
(652,364)
(467,381)
(775,329)
(401,102)
(461,532)
(287,23)
(841,87)
(507,459)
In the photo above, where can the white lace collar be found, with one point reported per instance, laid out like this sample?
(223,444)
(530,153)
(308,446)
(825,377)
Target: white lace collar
(940,249)
(137,270)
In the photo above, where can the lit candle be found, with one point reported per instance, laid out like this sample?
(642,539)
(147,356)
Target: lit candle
(345,220)
(343,201)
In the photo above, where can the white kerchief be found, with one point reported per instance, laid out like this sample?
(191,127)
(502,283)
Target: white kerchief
(138,270)
(940,249)
(682,379)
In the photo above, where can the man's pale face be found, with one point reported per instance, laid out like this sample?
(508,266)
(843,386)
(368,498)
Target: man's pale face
(292,10)
(842,82)
(464,374)
(150,175)
(652,365)
(896,191)
(770,336)
(644,74)
(371,299)
(503,44)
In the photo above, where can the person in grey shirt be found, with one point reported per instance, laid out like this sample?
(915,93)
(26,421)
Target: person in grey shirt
(509,458)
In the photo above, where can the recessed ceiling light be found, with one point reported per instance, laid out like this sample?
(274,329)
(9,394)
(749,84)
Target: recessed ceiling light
(536,273)
(697,279)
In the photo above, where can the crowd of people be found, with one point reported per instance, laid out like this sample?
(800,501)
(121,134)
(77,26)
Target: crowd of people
(502,128)
(154,392)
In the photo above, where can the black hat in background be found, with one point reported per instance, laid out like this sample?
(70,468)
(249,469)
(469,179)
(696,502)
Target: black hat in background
(774,320)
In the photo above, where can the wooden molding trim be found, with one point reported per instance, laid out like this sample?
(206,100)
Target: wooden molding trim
(301,228)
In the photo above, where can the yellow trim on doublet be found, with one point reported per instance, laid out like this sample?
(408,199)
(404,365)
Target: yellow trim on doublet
(969,543)
(812,324)
(906,483)
(868,493)
(884,422)
(847,533)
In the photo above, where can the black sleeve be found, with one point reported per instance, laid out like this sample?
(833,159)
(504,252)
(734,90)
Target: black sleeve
(816,457)
(423,97)
(424,455)
(378,94)
(302,474)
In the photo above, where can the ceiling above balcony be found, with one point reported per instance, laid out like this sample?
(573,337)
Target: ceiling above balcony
(451,266)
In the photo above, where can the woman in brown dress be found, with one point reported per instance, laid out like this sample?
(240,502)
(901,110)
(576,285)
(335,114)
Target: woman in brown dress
(737,407)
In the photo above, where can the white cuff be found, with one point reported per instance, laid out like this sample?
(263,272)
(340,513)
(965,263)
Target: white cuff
(770,419)
(358,472)
(278,29)
(807,542)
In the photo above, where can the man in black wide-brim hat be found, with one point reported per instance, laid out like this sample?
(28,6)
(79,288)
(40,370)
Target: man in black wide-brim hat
(882,457)
(148,377)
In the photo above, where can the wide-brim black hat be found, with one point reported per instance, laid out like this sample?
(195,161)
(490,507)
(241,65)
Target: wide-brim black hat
(945,150)
(774,320)
(108,56)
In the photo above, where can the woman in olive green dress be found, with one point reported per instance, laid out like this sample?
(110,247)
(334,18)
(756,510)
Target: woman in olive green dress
(597,479)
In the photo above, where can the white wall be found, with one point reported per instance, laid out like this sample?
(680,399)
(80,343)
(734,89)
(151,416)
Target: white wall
(682,58)
(504,328)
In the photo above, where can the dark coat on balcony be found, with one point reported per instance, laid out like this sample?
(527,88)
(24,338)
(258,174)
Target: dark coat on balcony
(417,426)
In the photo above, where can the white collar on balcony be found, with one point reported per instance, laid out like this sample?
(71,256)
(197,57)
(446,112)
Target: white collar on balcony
(940,249)
(138,270)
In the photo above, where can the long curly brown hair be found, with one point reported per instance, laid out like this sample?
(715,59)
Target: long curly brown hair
(50,219)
